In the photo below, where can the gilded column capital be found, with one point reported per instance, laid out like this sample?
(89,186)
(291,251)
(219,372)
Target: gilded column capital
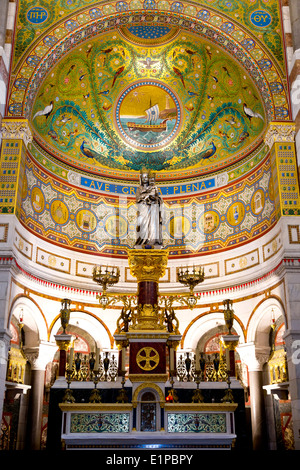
(16,129)
(148,265)
(63,341)
(280,132)
(230,342)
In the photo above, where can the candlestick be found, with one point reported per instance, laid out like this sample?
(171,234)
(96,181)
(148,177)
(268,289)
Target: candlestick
(197,359)
(171,358)
(71,358)
(97,359)
(123,359)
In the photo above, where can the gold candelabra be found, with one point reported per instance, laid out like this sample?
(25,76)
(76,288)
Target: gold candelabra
(106,276)
(191,276)
(95,396)
(68,396)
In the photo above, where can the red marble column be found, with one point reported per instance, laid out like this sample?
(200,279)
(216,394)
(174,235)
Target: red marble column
(63,342)
(147,293)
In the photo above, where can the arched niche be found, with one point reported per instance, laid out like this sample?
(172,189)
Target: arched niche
(148,400)
(262,318)
(35,326)
(208,321)
(90,324)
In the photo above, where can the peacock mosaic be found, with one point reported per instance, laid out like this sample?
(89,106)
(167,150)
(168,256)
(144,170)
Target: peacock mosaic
(122,106)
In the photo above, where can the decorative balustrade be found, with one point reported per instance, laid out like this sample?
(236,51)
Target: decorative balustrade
(84,366)
(211,368)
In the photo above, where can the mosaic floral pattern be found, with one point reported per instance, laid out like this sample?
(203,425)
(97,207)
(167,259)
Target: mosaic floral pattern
(230,35)
(269,32)
(200,223)
(196,422)
(73,64)
(81,108)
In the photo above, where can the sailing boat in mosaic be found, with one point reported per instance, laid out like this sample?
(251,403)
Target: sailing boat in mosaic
(151,123)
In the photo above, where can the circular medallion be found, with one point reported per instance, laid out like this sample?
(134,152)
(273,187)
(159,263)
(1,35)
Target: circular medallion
(116,226)
(86,220)
(209,221)
(258,201)
(148,115)
(37,199)
(37,15)
(260,18)
(147,358)
(179,226)
(59,212)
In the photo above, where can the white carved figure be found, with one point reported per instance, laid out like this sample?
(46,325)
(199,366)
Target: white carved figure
(149,205)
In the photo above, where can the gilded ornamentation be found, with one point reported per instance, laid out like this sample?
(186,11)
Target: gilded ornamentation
(228,314)
(147,317)
(16,129)
(65,313)
(16,365)
(280,132)
(150,377)
(63,341)
(147,266)
(96,407)
(147,358)
(198,407)
(146,385)
(278,366)
(127,313)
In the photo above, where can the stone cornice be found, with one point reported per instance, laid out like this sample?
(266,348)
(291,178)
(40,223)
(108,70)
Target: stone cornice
(280,132)
(16,129)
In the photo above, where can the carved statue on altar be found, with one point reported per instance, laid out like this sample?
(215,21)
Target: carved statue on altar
(149,205)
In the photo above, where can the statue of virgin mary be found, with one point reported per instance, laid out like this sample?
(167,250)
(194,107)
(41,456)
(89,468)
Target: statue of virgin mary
(149,217)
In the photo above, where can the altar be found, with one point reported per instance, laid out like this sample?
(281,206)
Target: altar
(147,396)
(183,426)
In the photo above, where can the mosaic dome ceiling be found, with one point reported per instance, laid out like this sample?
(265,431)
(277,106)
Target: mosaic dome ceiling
(184,90)
(151,96)
(187,89)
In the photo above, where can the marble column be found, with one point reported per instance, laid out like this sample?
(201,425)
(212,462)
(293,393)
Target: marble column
(5,338)
(230,343)
(3,20)
(292,341)
(255,358)
(63,341)
(38,358)
(295,22)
